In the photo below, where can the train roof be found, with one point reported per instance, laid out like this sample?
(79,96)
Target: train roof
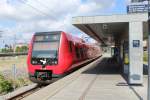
(73,38)
(50,32)
(69,36)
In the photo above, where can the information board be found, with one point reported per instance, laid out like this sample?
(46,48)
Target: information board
(137,8)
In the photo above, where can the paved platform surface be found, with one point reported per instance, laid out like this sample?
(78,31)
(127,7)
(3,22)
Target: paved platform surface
(101,81)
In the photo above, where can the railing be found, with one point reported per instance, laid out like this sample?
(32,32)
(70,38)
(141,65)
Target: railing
(12,54)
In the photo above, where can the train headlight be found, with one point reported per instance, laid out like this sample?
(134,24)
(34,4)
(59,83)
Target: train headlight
(52,62)
(34,62)
(55,62)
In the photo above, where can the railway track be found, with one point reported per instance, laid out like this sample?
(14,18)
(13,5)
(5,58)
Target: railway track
(53,89)
(25,93)
(12,54)
(22,95)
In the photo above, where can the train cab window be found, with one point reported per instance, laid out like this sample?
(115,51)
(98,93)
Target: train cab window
(70,46)
(45,47)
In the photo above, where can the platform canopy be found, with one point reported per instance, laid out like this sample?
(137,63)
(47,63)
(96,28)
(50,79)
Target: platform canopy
(104,28)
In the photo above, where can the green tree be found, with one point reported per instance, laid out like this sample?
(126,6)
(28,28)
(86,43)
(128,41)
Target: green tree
(24,48)
(6,50)
(21,49)
(18,49)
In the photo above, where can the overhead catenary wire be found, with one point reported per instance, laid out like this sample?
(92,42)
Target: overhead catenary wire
(40,11)
(41,3)
(45,6)
(36,9)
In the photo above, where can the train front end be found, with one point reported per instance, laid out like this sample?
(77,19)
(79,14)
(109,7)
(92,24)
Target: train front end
(43,56)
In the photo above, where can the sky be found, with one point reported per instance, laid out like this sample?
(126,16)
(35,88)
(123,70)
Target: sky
(20,19)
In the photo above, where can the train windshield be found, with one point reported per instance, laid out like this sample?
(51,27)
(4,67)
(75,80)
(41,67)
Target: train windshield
(46,46)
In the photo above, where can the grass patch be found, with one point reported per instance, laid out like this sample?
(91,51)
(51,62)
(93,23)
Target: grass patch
(5,85)
(8,82)
(7,62)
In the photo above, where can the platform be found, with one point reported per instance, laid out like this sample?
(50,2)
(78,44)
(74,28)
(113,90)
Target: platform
(99,80)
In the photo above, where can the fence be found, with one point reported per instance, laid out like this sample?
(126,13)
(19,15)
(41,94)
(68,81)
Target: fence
(12,54)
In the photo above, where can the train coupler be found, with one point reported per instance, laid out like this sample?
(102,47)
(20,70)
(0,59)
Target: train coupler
(43,75)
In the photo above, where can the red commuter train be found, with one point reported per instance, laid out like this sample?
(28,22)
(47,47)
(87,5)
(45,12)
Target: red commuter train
(53,54)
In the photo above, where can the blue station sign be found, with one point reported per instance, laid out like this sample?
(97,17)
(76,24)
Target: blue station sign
(137,8)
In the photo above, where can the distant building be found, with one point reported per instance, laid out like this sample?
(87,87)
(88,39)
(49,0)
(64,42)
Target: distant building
(137,6)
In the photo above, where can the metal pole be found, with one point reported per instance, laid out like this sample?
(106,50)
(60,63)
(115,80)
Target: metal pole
(148,92)
(14,71)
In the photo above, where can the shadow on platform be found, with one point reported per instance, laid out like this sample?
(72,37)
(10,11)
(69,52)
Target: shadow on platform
(104,67)
(108,67)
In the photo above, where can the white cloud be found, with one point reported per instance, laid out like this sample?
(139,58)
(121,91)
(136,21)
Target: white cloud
(128,1)
(47,15)
(103,3)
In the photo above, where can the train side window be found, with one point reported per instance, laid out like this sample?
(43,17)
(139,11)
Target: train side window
(81,52)
(77,52)
(70,46)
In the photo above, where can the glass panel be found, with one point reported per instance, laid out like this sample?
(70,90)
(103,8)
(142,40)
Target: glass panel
(45,46)
(49,37)
(45,50)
